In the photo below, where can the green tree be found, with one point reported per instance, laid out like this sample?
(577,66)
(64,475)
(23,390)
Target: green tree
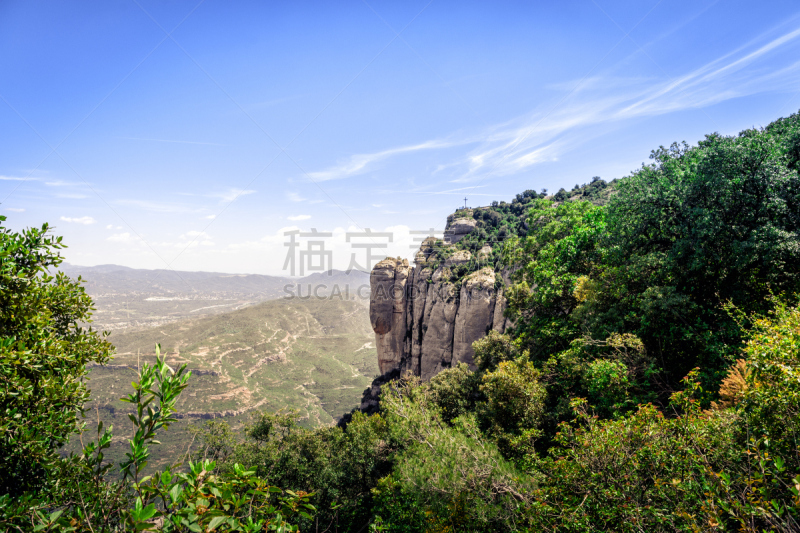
(451,472)
(763,493)
(699,228)
(643,472)
(563,246)
(340,466)
(514,406)
(44,350)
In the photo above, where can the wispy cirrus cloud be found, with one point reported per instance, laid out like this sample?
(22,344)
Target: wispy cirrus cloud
(547,134)
(224,196)
(299,217)
(360,163)
(295,197)
(194,238)
(190,239)
(123,238)
(230,195)
(62,183)
(159,207)
(79,220)
(17,178)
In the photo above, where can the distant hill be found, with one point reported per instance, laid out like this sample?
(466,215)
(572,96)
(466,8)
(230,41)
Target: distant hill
(114,279)
(136,298)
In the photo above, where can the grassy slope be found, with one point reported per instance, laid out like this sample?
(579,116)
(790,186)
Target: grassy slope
(316,356)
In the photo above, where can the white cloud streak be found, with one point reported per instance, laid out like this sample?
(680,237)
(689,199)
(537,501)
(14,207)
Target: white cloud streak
(79,220)
(544,136)
(360,163)
(16,178)
(231,194)
(122,237)
(158,207)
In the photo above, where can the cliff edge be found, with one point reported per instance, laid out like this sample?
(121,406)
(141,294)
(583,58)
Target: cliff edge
(427,316)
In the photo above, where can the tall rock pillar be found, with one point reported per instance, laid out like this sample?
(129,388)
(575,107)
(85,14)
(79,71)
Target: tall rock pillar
(387,311)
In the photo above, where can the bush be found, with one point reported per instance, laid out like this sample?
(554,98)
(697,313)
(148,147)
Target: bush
(451,472)
(339,466)
(514,406)
(645,472)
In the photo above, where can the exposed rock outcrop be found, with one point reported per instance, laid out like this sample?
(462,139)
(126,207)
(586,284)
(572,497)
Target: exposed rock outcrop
(425,319)
(475,317)
(457,229)
(387,311)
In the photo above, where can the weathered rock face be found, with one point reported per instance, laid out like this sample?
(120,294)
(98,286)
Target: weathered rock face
(457,229)
(423,322)
(438,325)
(475,314)
(387,310)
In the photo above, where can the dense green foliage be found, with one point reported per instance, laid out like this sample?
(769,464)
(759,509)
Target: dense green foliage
(700,228)
(340,467)
(650,383)
(42,369)
(43,353)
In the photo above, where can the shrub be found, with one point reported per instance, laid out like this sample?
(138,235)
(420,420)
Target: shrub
(452,471)
(514,406)
(644,472)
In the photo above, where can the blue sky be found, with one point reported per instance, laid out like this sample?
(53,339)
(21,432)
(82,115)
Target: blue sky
(193,135)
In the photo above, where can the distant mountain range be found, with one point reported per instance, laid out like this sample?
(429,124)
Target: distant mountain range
(116,279)
(252,341)
(135,298)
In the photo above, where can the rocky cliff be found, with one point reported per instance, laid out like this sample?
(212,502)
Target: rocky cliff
(427,316)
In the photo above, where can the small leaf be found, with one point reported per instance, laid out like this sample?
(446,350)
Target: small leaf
(147,513)
(216,521)
(175,493)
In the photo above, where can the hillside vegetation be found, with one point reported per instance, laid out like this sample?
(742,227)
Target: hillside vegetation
(311,356)
(651,382)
